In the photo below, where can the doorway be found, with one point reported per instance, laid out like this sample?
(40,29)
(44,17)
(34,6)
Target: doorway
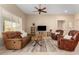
(60,24)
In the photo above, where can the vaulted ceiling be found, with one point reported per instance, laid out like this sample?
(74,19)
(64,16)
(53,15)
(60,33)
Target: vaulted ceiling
(51,8)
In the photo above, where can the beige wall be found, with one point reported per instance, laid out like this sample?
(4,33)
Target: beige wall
(50,21)
(12,8)
(76,21)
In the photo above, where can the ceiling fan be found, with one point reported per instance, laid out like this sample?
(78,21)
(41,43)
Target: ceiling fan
(40,9)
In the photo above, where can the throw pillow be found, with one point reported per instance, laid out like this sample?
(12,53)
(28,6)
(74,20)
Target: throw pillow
(24,34)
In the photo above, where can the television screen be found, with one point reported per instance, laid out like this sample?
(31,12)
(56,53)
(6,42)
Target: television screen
(41,28)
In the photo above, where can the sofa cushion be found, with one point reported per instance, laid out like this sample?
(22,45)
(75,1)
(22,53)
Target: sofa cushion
(57,33)
(67,37)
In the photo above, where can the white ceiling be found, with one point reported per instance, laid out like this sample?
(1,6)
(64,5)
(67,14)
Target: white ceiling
(51,8)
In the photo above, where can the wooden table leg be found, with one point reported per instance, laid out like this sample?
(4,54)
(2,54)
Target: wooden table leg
(37,42)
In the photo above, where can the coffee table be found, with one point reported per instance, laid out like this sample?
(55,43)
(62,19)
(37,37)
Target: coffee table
(37,39)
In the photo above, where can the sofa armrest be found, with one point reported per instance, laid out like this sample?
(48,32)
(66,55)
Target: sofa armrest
(25,41)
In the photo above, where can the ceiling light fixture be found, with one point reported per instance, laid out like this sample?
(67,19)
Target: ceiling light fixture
(40,9)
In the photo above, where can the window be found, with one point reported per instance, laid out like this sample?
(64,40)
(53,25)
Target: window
(10,25)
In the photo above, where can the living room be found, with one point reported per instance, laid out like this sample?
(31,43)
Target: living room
(24,17)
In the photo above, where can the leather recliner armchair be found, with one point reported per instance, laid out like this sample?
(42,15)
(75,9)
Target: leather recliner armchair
(70,44)
(14,40)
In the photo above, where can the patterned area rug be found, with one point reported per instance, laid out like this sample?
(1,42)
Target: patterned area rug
(47,43)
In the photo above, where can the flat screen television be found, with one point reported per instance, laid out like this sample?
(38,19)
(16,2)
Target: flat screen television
(41,28)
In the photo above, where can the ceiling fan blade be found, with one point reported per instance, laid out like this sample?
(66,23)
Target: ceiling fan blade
(36,8)
(44,8)
(44,11)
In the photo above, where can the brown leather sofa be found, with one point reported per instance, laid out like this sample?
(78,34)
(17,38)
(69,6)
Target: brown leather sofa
(61,31)
(56,36)
(68,45)
(14,40)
